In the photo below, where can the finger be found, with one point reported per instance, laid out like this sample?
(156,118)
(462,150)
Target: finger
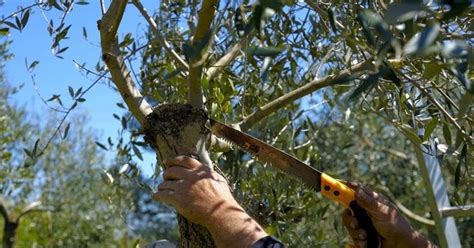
(383,199)
(168,185)
(358,234)
(176,173)
(165,196)
(349,220)
(366,200)
(356,186)
(183,161)
(366,191)
(361,243)
(353,185)
(372,203)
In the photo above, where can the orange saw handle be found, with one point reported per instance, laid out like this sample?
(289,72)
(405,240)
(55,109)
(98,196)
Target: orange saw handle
(339,192)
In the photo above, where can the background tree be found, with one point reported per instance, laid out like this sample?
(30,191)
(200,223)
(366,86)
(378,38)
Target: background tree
(342,85)
(58,197)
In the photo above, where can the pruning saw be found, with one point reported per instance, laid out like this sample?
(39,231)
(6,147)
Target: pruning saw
(329,187)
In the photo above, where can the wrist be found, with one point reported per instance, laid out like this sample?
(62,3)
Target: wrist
(231,226)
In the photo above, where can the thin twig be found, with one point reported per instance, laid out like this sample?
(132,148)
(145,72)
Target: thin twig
(192,17)
(225,60)
(158,34)
(65,13)
(444,111)
(44,100)
(304,90)
(325,58)
(75,103)
(446,97)
(19,11)
(102,7)
(66,113)
(88,70)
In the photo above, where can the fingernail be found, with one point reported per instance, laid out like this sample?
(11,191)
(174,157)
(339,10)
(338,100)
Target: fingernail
(351,184)
(353,224)
(361,194)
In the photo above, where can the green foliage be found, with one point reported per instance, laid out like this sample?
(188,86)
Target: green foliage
(414,83)
(362,128)
(66,172)
(77,208)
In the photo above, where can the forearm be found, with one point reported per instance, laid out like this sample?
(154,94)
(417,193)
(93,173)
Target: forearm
(231,226)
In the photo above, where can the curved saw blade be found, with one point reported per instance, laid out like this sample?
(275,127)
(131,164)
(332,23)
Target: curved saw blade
(276,157)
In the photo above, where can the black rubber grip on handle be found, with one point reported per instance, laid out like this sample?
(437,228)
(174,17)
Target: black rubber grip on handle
(373,238)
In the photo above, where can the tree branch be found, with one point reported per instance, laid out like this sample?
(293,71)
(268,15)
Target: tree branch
(18,11)
(111,54)
(102,6)
(160,37)
(4,209)
(304,90)
(323,14)
(407,212)
(206,16)
(30,208)
(111,21)
(200,43)
(225,60)
(443,110)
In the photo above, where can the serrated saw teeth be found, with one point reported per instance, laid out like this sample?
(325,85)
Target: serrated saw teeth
(233,137)
(246,147)
(227,141)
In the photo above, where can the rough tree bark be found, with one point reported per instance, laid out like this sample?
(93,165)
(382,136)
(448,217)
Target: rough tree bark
(179,129)
(171,129)
(12,220)
(9,233)
(10,225)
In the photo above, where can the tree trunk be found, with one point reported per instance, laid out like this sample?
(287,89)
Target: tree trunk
(9,233)
(178,129)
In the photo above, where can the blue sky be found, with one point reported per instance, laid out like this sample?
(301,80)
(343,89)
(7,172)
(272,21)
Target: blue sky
(53,75)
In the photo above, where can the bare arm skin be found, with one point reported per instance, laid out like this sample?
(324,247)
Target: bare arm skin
(203,196)
(389,223)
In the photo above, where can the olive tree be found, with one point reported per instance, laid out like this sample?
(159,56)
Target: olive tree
(304,75)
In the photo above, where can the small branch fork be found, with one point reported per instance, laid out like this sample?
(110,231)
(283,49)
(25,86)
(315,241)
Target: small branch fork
(158,34)
(9,217)
(225,60)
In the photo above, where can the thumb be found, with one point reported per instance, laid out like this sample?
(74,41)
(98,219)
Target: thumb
(367,200)
(164,196)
